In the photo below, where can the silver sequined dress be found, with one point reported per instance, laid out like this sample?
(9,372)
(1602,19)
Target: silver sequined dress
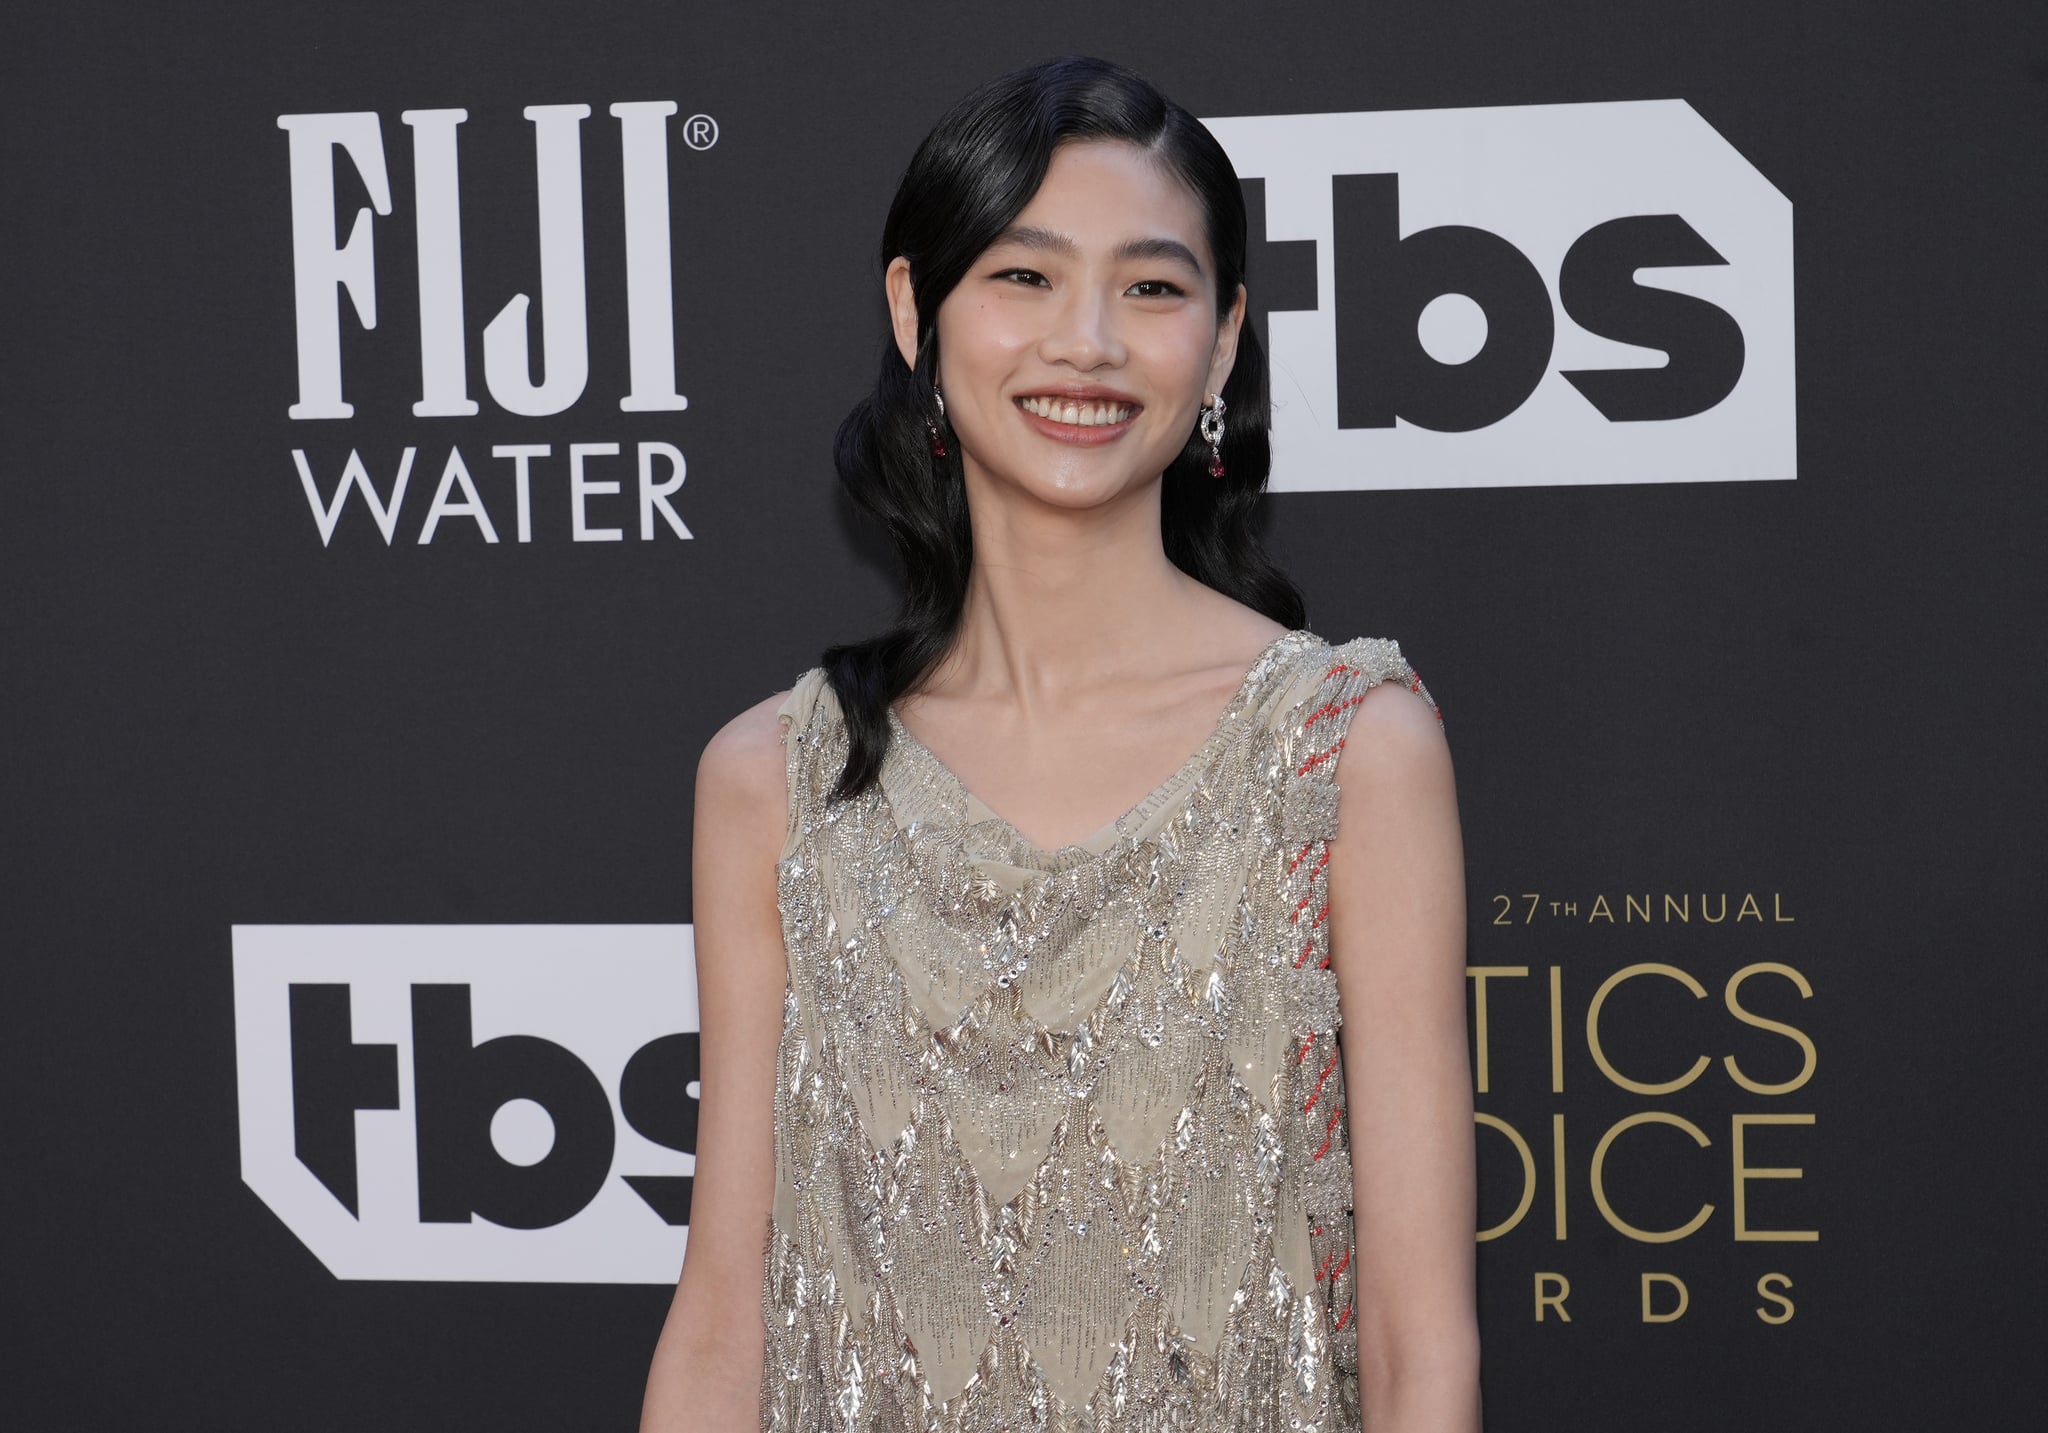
(1060,1135)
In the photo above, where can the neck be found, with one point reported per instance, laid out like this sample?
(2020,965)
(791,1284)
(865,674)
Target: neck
(1060,599)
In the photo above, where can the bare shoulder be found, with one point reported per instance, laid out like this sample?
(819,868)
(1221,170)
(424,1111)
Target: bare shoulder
(1395,746)
(741,773)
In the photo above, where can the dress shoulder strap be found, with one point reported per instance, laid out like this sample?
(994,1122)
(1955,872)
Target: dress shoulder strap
(1324,692)
(1314,717)
(805,718)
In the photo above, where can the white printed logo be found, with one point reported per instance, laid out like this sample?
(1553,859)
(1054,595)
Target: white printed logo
(1536,294)
(483,1103)
(325,272)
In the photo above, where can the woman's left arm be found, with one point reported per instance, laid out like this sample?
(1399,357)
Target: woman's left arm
(1397,943)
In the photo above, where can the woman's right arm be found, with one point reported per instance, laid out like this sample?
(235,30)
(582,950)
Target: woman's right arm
(706,1371)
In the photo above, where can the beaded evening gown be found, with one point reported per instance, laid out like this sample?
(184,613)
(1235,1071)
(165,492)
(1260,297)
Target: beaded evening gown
(1060,1135)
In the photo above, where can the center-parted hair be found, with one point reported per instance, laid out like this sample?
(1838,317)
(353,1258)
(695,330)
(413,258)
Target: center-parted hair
(968,181)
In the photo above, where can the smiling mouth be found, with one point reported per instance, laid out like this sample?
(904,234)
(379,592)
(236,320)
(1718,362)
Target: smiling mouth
(1075,413)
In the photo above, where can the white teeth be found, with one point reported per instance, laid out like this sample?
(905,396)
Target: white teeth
(1081,415)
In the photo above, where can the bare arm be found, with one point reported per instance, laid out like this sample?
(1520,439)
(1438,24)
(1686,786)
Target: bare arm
(706,1370)
(1397,937)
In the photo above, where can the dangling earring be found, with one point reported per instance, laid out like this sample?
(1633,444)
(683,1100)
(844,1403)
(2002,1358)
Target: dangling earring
(932,424)
(1211,426)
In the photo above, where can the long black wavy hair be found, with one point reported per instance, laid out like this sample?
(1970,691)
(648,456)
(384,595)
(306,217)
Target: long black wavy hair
(968,181)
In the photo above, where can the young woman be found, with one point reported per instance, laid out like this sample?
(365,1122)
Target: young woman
(1025,930)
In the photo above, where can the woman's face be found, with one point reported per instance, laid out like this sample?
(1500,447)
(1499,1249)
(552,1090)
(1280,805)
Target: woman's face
(1075,353)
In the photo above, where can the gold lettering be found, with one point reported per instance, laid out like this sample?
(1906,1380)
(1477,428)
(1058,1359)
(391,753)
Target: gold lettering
(1601,911)
(1528,1174)
(1684,907)
(1560,1289)
(1628,972)
(1775,1316)
(1797,1037)
(1557,1029)
(1633,910)
(1744,1173)
(1598,1179)
(1777,910)
(1749,908)
(1650,1315)
(1557,1170)
(1479,975)
(1713,920)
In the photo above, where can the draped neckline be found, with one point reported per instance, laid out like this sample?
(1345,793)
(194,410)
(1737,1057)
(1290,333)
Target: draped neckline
(978,813)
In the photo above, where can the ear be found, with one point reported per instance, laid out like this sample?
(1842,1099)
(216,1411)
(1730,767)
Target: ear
(902,308)
(1224,358)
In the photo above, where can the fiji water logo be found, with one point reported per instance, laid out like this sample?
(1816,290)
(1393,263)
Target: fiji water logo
(491,494)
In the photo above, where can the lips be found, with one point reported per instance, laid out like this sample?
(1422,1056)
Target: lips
(1084,415)
(1078,412)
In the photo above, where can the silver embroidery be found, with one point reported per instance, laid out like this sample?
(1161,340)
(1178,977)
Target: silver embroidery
(1308,809)
(1059,1134)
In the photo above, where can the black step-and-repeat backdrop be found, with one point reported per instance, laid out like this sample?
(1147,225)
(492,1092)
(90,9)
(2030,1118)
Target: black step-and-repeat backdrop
(418,444)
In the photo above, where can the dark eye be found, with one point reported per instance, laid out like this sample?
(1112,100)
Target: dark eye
(1157,289)
(1021,276)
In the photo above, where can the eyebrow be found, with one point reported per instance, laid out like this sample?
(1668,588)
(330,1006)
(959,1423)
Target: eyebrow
(1031,236)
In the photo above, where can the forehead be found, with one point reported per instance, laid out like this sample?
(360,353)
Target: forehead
(1101,193)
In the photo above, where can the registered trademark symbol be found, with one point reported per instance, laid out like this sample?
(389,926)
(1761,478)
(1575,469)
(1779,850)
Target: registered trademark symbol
(700,131)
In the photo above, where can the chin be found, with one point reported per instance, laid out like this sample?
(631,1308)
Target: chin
(1079,491)
(1075,484)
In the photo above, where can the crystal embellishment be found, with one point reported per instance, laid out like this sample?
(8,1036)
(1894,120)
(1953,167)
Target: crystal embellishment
(1059,1135)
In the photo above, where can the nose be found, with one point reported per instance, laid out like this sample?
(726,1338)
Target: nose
(1082,331)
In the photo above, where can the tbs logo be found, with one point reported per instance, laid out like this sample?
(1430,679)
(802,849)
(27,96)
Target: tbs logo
(511,1103)
(1579,293)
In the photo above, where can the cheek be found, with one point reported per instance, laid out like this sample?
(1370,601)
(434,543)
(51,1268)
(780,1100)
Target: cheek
(980,334)
(1179,351)
(1184,340)
(1003,337)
